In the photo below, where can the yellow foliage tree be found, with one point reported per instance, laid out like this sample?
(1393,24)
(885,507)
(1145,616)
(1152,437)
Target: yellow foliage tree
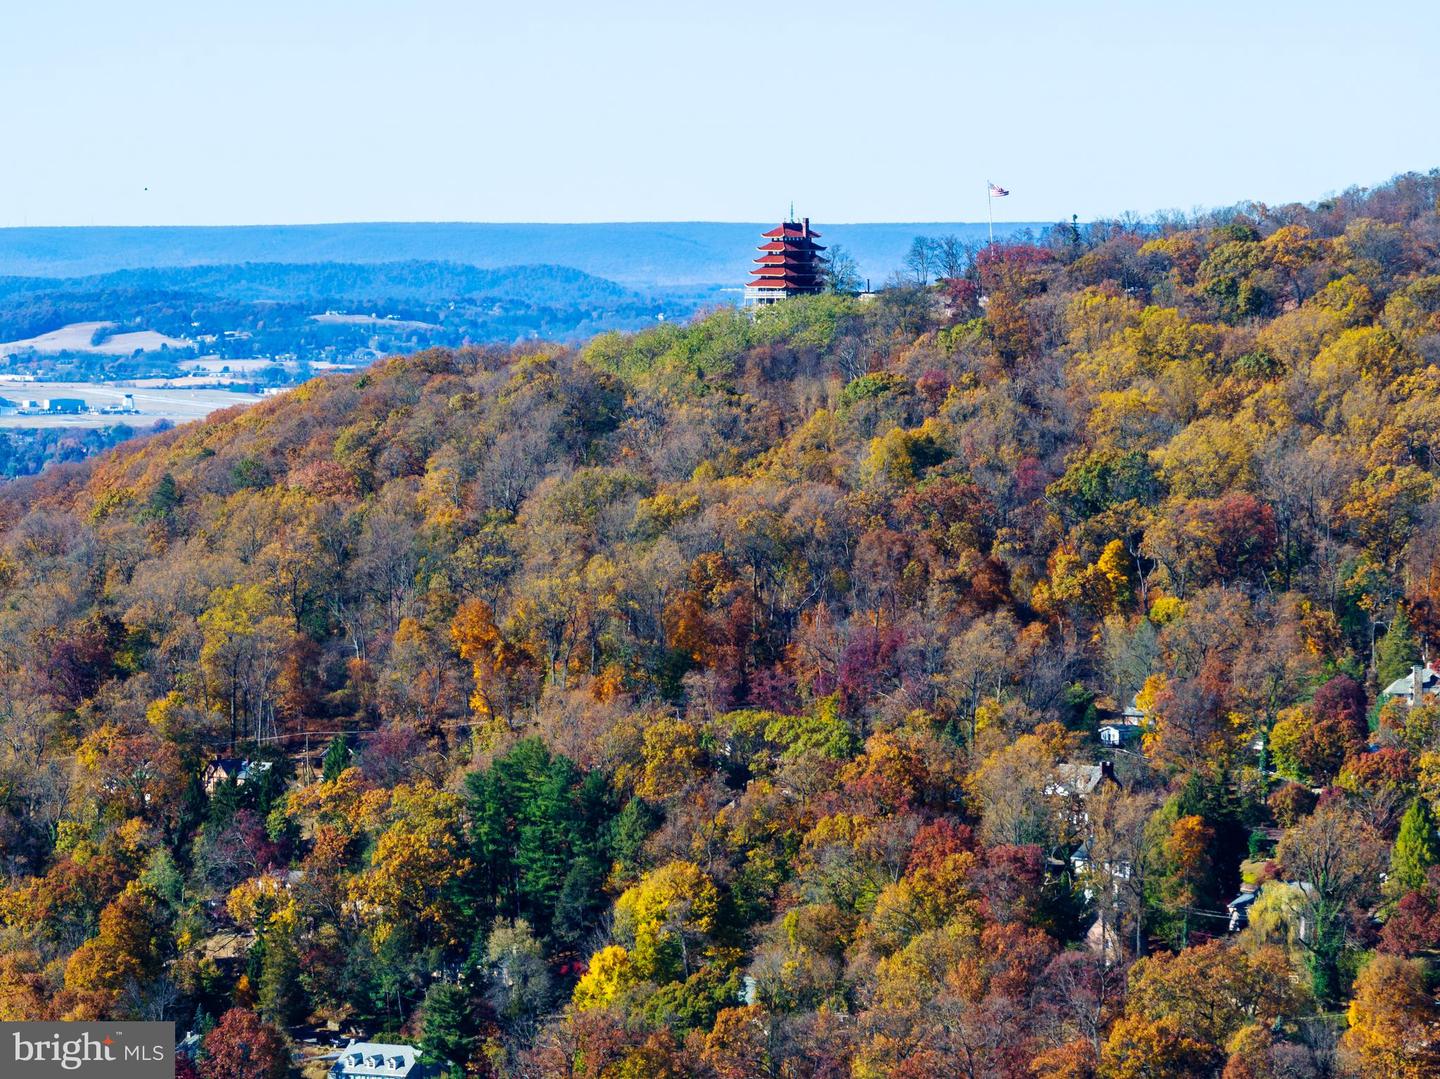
(608,977)
(415,863)
(663,917)
(1394,1022)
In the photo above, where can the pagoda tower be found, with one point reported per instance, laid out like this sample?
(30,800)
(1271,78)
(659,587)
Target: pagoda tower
(790,264)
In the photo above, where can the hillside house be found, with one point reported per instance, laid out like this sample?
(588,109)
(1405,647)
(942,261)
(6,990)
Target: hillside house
(380,1060)
(1082,865)
(1118,735)
(1239,908)
(1420,683)
(1287,895)
(224,769)
(1122,728)
(1077,782)
(1080,780)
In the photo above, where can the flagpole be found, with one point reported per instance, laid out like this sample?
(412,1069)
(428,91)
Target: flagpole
(990,209)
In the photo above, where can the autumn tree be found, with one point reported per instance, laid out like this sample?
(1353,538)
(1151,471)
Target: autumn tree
(128,950)
(416,865)
(243,1046)
(1138,1048)
(505,674)
(1393,1021)
(1213,990)
(242,653)
(1337,860)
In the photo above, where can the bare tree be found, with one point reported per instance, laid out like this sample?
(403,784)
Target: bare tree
(1081,994)
(920,260)
(842,272)
(850,357)
(951,257)
(1121,858)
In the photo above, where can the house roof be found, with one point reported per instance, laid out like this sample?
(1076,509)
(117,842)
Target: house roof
(237,767)
(365,1060)
(1404,685)
(1082,778)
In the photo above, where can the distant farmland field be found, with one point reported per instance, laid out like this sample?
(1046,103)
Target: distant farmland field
(77,336)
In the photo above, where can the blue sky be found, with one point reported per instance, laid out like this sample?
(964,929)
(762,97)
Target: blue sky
(277,111)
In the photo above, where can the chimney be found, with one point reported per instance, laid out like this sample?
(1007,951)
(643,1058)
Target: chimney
(807,228)
(1417,684)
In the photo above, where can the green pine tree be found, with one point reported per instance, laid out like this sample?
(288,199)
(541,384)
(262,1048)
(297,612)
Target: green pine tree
(337,756)
(281,999)
(163,500)
(448,1027)
(1398,650)
(1417,848)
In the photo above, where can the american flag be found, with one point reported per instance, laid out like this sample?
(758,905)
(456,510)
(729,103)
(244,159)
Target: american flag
(997,192)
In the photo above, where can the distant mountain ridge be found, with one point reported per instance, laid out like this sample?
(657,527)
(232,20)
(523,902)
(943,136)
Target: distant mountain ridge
(634,254)
(291,281)
(296,314)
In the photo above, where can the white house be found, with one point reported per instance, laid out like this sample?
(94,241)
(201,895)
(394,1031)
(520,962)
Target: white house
(1074,782)
(1118,734)
(1082,865)
(378,1060)
(1239,909)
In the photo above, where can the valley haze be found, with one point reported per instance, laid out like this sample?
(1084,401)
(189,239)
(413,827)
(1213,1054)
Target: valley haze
(637,254)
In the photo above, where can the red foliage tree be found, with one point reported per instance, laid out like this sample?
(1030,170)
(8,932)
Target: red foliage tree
(1012,881)
(1291,802)
(1244,530)
(1414,927)
(1341,698)
(937,840)
(244,1046)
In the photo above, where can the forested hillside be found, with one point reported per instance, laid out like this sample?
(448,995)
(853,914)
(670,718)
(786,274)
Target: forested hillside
(720,700)
(286,313)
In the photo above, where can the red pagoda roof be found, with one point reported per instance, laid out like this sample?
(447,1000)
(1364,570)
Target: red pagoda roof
(789,258)
(790,229)
(790,261)
(792,244)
